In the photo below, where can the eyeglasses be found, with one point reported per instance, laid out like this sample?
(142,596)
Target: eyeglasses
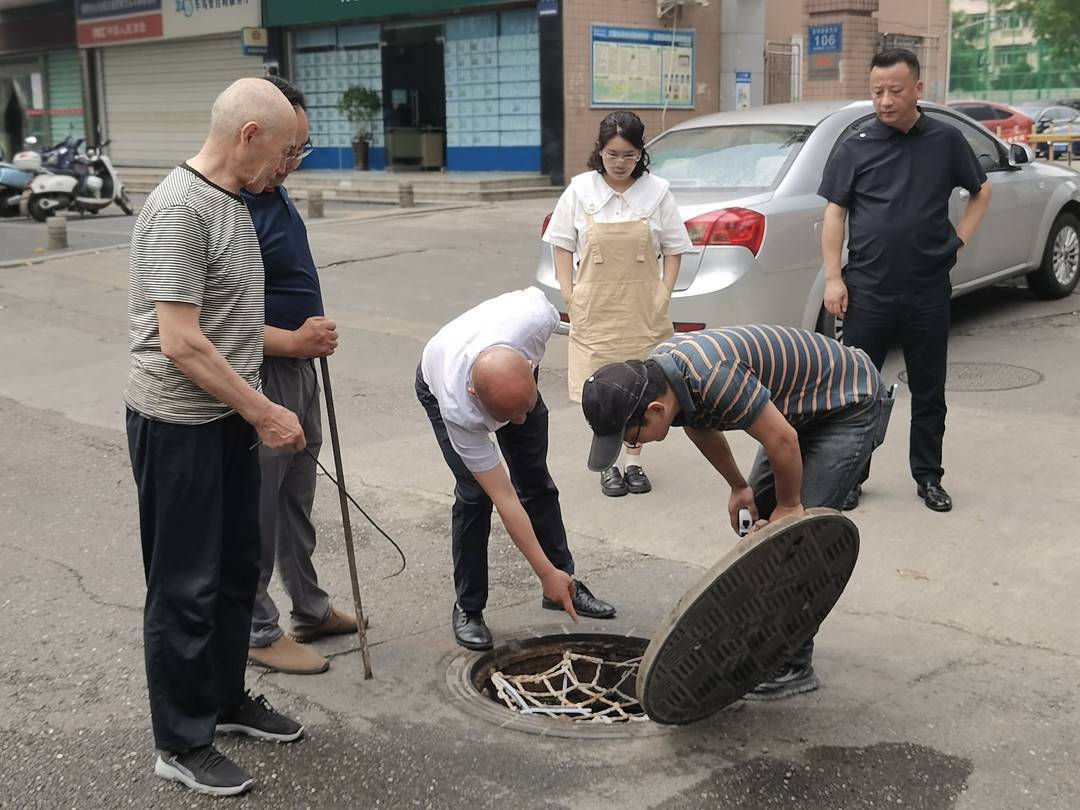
(302,152)
(616,157)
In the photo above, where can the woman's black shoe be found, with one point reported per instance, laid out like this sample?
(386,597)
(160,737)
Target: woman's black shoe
(612,483)
(637,482)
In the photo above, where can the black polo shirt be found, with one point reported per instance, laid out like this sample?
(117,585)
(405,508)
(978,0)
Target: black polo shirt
(896,188)
(292,283)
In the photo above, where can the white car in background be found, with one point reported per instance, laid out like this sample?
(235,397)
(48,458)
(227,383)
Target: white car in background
(746,185)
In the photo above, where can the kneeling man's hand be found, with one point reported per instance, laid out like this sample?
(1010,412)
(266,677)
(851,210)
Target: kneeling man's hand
(781,512)
(741,498)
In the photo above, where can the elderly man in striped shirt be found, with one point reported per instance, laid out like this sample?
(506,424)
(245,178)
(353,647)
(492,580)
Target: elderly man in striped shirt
(818,409)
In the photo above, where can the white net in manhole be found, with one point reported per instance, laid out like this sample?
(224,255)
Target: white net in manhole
(582,688)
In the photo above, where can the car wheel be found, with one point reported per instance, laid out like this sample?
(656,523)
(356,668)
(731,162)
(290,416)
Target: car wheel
(829,325)
(1060,269)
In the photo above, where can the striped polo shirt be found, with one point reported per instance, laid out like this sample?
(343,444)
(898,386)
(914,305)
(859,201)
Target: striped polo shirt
(724,377)
(193,243)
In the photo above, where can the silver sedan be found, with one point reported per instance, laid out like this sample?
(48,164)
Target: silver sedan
(746,185)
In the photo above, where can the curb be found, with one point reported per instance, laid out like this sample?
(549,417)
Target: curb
(30,261)
(419,211)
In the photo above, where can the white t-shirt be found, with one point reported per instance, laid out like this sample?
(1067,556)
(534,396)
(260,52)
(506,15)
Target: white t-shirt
(523,320)
(589,193)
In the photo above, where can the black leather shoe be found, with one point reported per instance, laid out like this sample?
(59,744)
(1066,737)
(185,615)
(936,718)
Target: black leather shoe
(612,483)
(470,630)
(851,500)
(584,603)
(637,482)
(934,495)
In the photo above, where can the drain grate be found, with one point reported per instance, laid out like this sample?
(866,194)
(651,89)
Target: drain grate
(986,377)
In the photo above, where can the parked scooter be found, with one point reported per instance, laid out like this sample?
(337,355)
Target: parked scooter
(13,182)
(87,184)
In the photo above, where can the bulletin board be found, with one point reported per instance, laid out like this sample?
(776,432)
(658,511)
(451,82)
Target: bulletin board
(642,67)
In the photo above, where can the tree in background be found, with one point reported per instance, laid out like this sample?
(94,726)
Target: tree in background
(1056,24)
(968,57)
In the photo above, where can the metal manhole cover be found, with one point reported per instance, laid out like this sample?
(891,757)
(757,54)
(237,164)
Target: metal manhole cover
(746,616)
(985,377)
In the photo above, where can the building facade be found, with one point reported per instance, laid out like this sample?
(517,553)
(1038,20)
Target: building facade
(832,42)
(506,85)
(479,85)
(42,87)
(158,65)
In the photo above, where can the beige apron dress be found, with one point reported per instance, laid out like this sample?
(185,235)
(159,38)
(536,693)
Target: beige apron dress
(619,307)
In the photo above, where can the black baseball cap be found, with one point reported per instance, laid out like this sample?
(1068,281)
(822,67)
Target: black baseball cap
(609,398)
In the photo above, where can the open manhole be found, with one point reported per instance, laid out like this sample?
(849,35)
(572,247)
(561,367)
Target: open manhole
(985,377)
(740,622)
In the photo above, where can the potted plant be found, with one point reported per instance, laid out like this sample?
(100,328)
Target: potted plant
(361,105)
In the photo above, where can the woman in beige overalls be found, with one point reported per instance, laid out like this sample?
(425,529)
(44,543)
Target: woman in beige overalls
(618,219)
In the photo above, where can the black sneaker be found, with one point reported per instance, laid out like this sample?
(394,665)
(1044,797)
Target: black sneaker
(255,717)
(786,682)
(204,769)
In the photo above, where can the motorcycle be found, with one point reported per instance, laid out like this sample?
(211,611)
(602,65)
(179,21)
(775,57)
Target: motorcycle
(13,182)
(76,182)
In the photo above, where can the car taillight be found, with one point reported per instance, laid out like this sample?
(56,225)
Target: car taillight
(728,226)
(564,317)
(681,326)
(547,220)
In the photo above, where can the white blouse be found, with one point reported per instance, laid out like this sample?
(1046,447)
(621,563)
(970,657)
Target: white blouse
(589,193)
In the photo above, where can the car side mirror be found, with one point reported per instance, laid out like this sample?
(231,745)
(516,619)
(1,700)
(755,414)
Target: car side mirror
(1018,154)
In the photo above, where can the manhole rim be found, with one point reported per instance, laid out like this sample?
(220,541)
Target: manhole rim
(457,687)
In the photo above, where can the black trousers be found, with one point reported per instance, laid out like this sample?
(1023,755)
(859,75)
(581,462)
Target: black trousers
(524,447)
(198,491)
(920,319)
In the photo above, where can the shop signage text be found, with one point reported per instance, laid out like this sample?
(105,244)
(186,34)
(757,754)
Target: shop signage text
(826,38)
(109,22)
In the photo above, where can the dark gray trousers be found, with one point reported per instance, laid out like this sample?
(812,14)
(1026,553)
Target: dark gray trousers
(285,500)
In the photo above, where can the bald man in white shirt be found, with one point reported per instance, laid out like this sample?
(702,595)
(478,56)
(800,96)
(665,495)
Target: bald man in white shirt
(477,377)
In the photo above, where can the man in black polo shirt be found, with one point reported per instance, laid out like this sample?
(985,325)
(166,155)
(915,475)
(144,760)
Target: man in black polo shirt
(893,179)
(296,331)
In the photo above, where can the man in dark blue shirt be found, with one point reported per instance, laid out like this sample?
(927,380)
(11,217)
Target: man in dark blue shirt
(892,181)
(296,331)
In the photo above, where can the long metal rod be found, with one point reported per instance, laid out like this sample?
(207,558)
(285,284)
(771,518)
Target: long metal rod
(346,523)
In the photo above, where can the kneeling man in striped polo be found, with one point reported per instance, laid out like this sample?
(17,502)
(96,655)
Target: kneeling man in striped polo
(818,409)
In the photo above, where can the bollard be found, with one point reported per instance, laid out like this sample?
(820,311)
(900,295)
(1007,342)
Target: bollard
(56,229)
(405,195)
(315,204)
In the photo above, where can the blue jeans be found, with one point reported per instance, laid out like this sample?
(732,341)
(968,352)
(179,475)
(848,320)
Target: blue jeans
(835,450)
